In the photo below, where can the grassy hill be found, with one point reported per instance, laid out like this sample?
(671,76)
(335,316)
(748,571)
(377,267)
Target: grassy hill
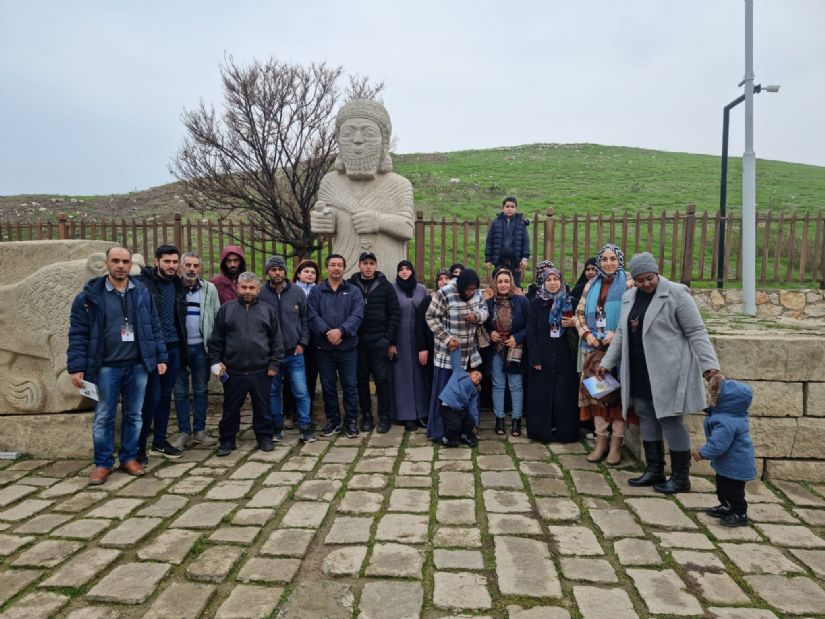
(569,177)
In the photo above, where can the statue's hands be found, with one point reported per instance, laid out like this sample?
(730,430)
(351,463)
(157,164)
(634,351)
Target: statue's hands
(322,219)
(365,222)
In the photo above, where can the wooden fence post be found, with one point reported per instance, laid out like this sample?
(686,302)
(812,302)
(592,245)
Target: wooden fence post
(62,226)
(419,244)
(549,229)
(688,237)
(178,232)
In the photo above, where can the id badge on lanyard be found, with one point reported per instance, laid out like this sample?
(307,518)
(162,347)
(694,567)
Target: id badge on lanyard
(555,331)
(127,330)
(601,320)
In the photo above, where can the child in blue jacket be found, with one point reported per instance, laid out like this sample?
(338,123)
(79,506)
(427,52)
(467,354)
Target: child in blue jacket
(729,448)
(459,404)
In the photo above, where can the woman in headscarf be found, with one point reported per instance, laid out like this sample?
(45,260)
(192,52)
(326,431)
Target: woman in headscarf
(455,313)
(410,401)
(507,326)
(541,268)
(553,381)
(423,334)
(588,273)
(597,318)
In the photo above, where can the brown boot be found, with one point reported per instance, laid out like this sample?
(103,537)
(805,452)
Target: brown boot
(615,455)
(600,450)
(99,476)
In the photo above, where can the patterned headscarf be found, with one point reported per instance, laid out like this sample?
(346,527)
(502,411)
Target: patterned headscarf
(561,300)
(539,270)
(619,256)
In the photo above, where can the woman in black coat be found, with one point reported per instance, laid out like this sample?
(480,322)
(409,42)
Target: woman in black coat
(553,382)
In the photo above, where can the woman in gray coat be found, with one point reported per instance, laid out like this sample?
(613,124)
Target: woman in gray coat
(664,352)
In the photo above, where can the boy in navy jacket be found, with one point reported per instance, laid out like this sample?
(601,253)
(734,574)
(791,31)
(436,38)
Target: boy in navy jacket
(459,404)
(729,448)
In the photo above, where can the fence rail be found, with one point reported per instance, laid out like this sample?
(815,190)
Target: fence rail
(790,247)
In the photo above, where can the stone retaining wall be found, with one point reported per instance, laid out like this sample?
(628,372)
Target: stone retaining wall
(793,304)
(787,374)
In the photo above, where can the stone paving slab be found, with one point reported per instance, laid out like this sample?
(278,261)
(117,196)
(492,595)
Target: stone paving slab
(337,527)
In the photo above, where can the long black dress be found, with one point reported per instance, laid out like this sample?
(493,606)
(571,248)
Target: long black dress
(553,391)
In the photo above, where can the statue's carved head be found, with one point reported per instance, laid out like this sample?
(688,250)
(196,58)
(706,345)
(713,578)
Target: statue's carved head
(363,129)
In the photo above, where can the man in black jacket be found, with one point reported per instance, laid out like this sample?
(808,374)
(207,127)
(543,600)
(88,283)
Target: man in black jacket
(169,295)
(245,351)
(376,341)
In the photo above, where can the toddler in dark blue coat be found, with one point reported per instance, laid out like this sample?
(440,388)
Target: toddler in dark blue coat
(729,448)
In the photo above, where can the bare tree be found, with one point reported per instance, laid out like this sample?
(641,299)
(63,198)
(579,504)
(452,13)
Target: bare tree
(267,150)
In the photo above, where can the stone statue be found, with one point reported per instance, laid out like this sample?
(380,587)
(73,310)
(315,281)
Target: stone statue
(362,203)
(39,282)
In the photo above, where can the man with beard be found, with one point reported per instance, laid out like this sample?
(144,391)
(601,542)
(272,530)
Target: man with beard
(376,341)
(202,306)
(170,298)
(114,342)
(245,351)
(290,304)
(336,309)
(362,202)
(233,263)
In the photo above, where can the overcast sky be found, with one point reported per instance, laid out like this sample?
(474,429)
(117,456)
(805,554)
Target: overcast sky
(91,91)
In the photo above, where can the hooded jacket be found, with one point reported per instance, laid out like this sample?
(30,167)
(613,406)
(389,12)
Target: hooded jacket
(382,314)
(85,352)
(291,306)
(225,283)
(729,446)
(460,393)
(495,238)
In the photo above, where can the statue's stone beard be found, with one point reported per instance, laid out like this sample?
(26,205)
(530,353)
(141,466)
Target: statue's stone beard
(361,168)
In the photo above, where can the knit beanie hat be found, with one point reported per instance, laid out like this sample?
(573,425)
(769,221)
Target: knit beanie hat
(275,261)
(643,263)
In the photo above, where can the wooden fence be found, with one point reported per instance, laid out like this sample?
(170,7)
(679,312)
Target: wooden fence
(790,247)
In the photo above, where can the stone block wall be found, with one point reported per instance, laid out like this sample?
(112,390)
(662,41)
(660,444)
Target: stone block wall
(793,304)
(787,417)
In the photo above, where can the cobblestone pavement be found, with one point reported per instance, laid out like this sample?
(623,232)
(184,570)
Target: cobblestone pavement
(389,526)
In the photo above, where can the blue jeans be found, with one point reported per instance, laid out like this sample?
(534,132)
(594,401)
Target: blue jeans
(112,382)
(293,367)
(199,370)
(158,399)
(333,364)
(501,378)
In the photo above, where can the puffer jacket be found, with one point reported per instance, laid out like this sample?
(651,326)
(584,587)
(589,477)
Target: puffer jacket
(495,237)
(85,352)
(460,393)
(729,446)
(382,314)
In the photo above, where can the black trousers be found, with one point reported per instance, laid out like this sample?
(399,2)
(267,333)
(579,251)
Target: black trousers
(374,361)
(235,390)
(731,492)
(456,423)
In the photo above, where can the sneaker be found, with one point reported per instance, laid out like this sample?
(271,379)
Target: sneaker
(142,458)
(720,511)
(367,424)
(351,430)
(265,443)
(332,428)
(278,436)
(734,520)
(305,435)
(384,425)
(202,438)
(182,440)
(167,450)
(470,441)
(224,449)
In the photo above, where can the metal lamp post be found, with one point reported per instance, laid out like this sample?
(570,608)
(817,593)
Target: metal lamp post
(723,186)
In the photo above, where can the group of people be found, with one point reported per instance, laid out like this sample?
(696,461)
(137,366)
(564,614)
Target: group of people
(147,337)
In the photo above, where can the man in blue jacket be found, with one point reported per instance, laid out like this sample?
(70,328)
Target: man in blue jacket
(336,309)
(508,242)
(115,341)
